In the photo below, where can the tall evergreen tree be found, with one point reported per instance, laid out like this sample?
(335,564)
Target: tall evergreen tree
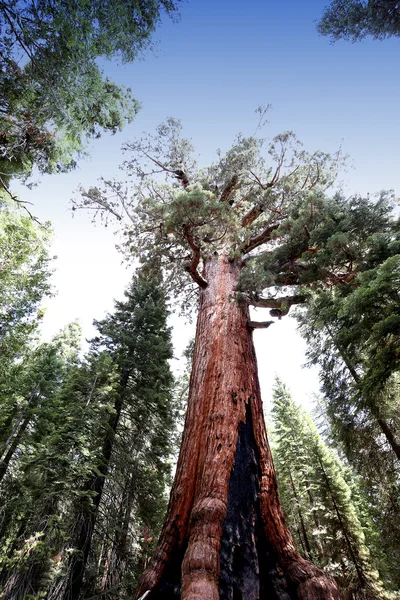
(353,336)
(37,461)
(237,229)
(319,501)
(137,339)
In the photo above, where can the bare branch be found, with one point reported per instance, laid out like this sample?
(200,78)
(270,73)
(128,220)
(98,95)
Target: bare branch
(179,174)
(279,306)
(21,203)
(258,209)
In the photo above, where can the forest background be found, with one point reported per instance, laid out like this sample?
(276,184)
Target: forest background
(324,499)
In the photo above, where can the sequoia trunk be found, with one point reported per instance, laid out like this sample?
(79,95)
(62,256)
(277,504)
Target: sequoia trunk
(224,536)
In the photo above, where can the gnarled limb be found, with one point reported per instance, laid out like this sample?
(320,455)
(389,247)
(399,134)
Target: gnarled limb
(192,267)
(279,306)
(261,238)
(229,189)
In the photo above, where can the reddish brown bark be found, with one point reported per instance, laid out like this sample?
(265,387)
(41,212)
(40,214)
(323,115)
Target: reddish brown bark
(224,455)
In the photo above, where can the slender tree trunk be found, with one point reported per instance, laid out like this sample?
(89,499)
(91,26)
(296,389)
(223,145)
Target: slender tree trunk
(70,587)
(390,437)
(302,524)
(18,431)
(382,423)
(14,445)
(224,536)
(321,553)
(352,551)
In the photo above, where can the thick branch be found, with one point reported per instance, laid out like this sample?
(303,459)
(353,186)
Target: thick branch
(230,187)
(179,174)
(192,267)
(259,239)
(259,324)
(279,306)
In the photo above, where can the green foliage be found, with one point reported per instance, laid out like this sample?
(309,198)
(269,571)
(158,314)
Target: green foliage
(257,194)
(24,283)
(352,335)
(93,441)
(321,506)
(134,500)
(59,97)
(24,277)
(355,19)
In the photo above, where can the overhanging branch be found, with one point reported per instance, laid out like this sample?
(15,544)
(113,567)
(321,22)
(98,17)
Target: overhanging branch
(259,324)
(261,238)
(279,306)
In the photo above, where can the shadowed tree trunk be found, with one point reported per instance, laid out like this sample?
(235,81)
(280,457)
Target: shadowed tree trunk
(382,423)
(70,587)
(16,434)
(14,445)
(224,536)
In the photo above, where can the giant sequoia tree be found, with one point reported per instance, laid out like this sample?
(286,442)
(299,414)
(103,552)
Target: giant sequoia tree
(245,233)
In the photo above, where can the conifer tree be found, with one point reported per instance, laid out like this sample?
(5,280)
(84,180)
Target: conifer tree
(317,494)
(237,229)
(24,283)
(137,339)
(39,466)
(54,92)
(353,336)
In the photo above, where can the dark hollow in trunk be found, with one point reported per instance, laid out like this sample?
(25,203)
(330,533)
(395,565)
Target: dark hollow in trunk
(248,562)
(224,536)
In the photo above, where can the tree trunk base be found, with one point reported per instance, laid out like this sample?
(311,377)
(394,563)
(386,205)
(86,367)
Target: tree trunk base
(249,566)
(225,536)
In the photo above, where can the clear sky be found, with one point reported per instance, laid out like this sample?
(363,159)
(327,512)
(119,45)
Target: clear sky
(211,70)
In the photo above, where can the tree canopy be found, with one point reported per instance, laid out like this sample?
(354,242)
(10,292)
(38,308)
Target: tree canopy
(355,19)
(54,93)
(261,203)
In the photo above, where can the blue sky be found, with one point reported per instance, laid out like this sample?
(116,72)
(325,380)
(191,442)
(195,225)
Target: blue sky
(211,70)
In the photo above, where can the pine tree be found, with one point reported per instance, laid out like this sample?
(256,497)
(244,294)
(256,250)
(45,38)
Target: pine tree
(236,229)
(136,432)
(353,336)
(317,495)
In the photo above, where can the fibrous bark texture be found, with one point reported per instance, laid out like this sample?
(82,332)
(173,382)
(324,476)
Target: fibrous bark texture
(224,536)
